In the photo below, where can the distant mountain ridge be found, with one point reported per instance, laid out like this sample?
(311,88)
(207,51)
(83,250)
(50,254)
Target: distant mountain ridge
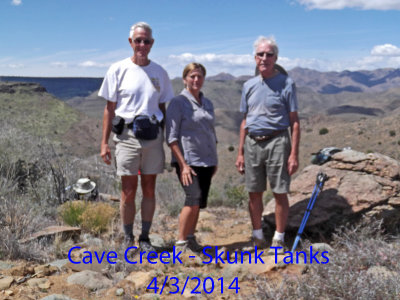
(375,81)
(347,81)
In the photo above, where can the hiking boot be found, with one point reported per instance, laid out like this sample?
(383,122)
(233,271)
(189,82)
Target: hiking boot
(145,245)
(181,246)
(193,245)
(260,243)
(279,251)
(129,241)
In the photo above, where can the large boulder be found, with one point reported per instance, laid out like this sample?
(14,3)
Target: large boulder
(359,185)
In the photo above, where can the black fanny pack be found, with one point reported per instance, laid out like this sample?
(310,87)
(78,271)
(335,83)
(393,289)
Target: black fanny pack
(145,128)
(117,125)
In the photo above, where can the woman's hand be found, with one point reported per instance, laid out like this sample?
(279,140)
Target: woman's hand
(186,175)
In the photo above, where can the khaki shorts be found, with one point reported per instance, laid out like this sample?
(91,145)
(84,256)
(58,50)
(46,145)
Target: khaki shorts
(267,159)
(132,154)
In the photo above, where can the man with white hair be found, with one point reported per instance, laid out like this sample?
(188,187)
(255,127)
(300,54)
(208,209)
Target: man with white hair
(266,149)
(136,86)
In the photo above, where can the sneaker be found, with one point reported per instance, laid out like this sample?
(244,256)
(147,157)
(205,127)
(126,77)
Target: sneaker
(181,246)
(193,245)
(260,243)
(145,245)
(277,243)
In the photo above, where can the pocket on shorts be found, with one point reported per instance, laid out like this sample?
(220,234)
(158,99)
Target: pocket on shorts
(280,151)
(251,152)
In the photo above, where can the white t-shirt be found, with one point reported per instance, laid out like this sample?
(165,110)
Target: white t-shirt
(137,90)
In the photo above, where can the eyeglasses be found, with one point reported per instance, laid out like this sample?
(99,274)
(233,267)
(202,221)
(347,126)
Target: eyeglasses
(139,41)
(268,54)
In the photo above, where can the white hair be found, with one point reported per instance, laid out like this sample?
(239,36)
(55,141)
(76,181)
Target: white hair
(268,40)
(143,25)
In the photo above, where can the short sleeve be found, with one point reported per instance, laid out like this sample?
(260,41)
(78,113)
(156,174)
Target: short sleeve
(243,102)
(109,87)
(173,121)
(291,96)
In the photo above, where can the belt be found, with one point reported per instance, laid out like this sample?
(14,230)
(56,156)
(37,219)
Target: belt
(262,138)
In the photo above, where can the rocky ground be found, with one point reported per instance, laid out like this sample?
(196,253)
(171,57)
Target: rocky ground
(225,229)
(360,186)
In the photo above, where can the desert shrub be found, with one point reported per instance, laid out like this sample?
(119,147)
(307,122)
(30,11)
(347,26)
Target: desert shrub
(97,217)
(19,219)
(364,265)
(90,216)
(392,133)
(71,212)
(214,197)
(235,195)
(323,131)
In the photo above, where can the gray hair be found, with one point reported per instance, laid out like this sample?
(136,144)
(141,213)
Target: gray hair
(142,25)
(268,40)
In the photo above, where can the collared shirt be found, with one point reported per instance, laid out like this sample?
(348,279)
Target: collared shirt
(192,126)
(268,103)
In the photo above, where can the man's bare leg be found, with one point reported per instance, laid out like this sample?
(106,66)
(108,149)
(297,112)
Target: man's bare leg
(127,204)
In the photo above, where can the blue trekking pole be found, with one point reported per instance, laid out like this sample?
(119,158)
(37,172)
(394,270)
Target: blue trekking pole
(321,178)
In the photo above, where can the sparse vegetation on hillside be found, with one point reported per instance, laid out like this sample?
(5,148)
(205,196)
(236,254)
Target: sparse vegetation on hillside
(364,265)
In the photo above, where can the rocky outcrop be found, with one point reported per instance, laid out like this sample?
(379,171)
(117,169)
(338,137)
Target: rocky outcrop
(13,87)
(359,185)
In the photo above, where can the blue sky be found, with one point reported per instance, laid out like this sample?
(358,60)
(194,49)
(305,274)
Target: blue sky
(83,37)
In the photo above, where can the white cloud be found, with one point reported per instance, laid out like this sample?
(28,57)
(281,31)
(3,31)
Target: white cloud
(223,59)
(385,50)
(15,66)
(214,63)
(341,4)
(244,64)
(16,2)
(92,64)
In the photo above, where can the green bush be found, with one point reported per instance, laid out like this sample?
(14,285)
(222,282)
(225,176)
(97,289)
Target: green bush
(323,131)
(392,133)
(236,195)
(92,216)
(71,212)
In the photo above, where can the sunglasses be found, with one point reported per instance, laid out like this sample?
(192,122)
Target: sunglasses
(139,41)
(268,54)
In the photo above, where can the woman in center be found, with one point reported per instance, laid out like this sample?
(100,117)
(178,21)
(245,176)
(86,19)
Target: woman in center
(193,142)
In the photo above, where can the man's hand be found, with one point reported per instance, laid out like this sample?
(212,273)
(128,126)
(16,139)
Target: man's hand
(105,153)
(240,164)
(293,164)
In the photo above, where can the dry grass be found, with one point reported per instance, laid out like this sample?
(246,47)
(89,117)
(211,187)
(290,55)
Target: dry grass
(364,265)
